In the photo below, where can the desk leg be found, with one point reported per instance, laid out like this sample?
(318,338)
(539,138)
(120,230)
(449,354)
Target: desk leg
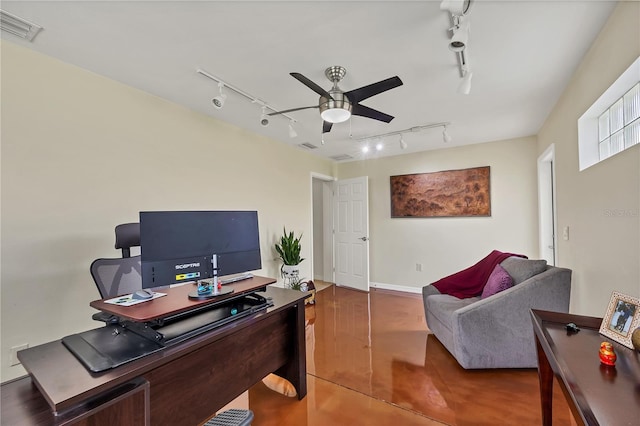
(295,371)
(545,374)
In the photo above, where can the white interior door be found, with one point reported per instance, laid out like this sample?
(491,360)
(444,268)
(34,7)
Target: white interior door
(351,229)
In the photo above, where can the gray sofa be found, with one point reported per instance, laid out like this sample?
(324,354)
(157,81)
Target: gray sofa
(496,332)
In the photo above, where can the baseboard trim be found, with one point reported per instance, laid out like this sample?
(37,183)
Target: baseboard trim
(394,287)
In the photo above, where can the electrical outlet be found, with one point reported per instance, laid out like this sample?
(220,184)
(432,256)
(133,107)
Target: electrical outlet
(13,356)
(419,267)
(565,233)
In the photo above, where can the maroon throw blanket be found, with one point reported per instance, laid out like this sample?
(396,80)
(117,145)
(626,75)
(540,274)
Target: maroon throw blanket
(470,282)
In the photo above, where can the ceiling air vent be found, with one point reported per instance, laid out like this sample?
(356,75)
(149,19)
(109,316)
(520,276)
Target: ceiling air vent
(18,26)
(341,157)
(308,145)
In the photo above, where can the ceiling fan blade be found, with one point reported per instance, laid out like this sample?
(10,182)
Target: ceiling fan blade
(357,95)
(326,126)
(310,84)
(292,109)
(364,111)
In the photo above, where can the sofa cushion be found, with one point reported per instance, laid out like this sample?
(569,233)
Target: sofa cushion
(522,269)
(443,306)
(498,281)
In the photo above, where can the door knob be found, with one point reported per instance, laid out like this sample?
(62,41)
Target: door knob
(364,238)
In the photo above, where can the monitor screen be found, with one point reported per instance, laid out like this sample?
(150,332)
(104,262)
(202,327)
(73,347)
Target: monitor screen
(179,246)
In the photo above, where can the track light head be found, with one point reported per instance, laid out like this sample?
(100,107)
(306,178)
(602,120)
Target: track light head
(264,119)
(292,131)
(465,86)
(456,7)
(403,144)
(446,137)
(460,37)
(218,101)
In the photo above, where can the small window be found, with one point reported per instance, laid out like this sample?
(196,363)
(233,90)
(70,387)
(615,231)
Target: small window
(619,126)
(612,123)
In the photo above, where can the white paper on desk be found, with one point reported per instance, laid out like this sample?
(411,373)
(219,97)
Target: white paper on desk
(128,300)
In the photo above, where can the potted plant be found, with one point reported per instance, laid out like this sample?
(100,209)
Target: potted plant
(289,249)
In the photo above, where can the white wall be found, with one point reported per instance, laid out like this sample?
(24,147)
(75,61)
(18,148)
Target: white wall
(600,205)
(446,245)
(81,153)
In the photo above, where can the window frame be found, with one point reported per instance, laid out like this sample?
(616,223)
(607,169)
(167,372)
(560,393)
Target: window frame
(588,123)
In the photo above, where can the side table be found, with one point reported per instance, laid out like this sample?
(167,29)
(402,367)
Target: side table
(596,394)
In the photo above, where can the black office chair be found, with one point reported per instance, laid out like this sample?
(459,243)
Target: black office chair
(127,236)
(116,276)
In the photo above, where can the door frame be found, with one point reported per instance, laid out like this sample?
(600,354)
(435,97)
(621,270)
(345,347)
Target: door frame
(328,248)
(547,193)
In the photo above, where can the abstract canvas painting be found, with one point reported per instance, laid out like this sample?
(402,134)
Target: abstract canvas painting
(448,193)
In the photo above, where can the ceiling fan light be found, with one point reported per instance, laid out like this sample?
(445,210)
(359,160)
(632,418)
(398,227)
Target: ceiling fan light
(335,115)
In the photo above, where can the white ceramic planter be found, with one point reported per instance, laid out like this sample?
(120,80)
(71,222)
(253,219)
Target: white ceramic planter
(290,271)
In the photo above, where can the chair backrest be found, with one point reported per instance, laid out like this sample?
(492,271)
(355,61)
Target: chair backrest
(114,277)
(127,236)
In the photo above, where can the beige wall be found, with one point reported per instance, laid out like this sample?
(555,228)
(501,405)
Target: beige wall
(600,205)
(81,153)
(446,245)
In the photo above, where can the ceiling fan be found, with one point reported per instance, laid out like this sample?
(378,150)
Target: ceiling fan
(337,106)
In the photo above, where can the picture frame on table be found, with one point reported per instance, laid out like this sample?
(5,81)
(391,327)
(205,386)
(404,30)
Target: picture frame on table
(622,317)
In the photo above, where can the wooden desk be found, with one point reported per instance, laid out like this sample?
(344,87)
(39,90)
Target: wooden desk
(177,301)
(184,384)
(597,395)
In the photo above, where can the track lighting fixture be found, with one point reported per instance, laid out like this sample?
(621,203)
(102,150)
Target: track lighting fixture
(465,85)
(446,137)
(218,101)
(18,26)
(403,144)
(456,7)
(264,120)
(292,131)
(459,41)
(460,37)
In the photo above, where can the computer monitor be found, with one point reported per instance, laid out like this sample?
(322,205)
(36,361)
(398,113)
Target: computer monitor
(182,246)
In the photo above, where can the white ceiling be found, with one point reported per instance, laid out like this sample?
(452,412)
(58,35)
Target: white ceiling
(522,54)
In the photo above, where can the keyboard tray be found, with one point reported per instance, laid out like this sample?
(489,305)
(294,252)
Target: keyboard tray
(117,344)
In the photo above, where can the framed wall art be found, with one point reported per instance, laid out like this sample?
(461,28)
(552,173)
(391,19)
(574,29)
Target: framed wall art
(451,193)
(622,317)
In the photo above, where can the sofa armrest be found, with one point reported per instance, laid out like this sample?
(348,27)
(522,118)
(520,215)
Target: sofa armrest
(497,330)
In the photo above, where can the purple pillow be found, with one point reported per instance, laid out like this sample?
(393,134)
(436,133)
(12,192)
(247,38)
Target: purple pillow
(498,281)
